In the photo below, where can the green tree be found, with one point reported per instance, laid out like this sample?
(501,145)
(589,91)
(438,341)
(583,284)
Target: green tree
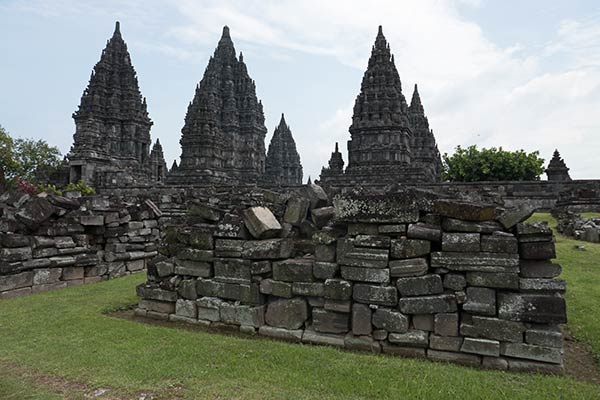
(493,164)
(27,159)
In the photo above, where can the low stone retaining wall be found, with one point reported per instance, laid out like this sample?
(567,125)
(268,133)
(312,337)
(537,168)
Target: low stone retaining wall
(53,242)
(406,273)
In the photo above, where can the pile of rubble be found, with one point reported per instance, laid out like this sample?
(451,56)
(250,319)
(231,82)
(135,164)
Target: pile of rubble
(405,273)
(574,225)
(51,242)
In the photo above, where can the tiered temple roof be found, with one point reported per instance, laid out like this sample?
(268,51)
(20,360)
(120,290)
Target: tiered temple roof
(557,169)
(390,141)
(283,166)
(112,134)
(158,165)
(224,132)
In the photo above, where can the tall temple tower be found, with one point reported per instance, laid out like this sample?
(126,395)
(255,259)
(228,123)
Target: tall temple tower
(557,169)
(283,166)
(112,127)
(223,138)
(158,166)
(390,141)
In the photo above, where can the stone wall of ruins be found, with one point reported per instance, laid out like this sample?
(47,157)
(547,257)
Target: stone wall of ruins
(409,273)
(54,242)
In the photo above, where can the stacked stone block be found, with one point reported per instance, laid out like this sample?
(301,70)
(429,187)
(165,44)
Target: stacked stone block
(406,273)
(52,242)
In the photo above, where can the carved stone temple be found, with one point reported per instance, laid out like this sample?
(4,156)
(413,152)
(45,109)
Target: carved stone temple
(112,127)
(223,138)
(283,165)
(391,142)
(557,169)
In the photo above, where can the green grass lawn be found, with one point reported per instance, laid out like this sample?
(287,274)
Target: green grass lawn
(59,343)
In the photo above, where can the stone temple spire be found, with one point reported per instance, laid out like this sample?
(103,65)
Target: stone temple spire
(223,137)
(557,169)
(336,164)
(380,127)
(157,163)
(283,166)
(424,148)
(112,126)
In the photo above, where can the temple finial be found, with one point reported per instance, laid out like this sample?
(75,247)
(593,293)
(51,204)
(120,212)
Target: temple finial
(309,182)
(380,30)
(241,57)
(336,147)
(225,31)
(117,28)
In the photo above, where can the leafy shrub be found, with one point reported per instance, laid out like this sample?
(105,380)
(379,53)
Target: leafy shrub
(82,187)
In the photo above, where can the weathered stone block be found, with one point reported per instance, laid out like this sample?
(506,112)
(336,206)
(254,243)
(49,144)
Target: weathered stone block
(499,242)
(458,358)
(428,304)
(205,211)
(16,281)
(348,254)
(310,289)
(510,218)
(287,313)
(537,250)
(456,225)
(242,314)
(493,328)
(548,338)
(391,208)
(409,248)
(276,288)
(13,254)
(150,292)
(92,220)
(422,231)
(232,270)
(361,343)
(293,270)
(423,322)
(71,273)
(517,365)
(261,223)
(396,229)
(246,293)
(186,308)
(464,210)
(539,269)
(289,335)
(208,308)
(296,210)
(325,270)
(446,324)
(195,255)
(370,294)
(484,347)
(325,253)
(229,248)
(374,275)
(260,267)
(342,306)
(327,339)
(409,267)
(46,275)
(338,289)
(193,268)
(187,289)
(330,322)
(164,268)
(362,229)
(391,321)
(462,242)
(16,240)
(455,281)
(445,343)
(231,226)
(35,212)
(542,285)
(372,241)
(480,301)
(411,338)
(421,285)
(551,355)
(498,280)
(162,307)
(361,319)
(267,249)
(484,262)
(544,309)
(321,216)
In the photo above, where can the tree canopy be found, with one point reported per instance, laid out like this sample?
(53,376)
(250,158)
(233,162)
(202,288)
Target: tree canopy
(26,159)
(494,164)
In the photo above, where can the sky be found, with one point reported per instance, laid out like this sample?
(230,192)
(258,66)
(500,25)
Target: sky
(520,74)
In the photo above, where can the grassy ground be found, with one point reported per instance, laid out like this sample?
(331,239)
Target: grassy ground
(61,345)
